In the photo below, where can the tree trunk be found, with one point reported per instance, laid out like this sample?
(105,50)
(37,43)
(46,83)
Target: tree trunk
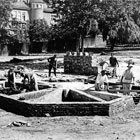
(4,50)
(81,41)
(25,48)
(78,45)
(112,46)
(82,44)
(45,46)
(31,47)
(112,43)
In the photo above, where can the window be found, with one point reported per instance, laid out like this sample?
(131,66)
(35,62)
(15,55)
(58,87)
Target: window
(33,5)
(14,14)
(19,15)
(36,5)
(23,16)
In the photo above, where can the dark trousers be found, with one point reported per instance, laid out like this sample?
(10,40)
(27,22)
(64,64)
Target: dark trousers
(50,68)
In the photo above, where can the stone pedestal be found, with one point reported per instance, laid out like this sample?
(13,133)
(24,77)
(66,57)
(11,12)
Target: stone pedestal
(79,64)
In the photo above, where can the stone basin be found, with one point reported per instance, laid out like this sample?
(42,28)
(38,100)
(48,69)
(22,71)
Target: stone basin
(65,102)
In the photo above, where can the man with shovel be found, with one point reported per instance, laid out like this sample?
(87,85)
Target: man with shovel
(113,63)
(52,65)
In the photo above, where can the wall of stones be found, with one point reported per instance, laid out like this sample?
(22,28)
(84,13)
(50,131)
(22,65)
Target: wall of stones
(66,108)
(121,105)
(79,64)
(53,109)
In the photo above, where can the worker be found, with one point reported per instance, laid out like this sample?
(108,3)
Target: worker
(30,81)
(52,64)
(103,64)
(101,82)
(128,79)
(11,79)
(113,63)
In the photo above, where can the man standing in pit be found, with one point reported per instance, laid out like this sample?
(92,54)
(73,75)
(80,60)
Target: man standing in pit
(113,63)
(52,64)
(101,83)
(29,81)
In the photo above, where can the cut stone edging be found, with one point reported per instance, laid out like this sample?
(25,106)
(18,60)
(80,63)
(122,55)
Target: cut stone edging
(110,108)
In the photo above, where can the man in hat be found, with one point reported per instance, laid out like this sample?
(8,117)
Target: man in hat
(113,63)
(101,81)
(52,64)
(128,79)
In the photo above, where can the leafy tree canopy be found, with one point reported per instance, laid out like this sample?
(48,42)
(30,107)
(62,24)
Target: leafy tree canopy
(19,31)
(39,31)
(73,17)
(5,11)
(120,21)
(11,30)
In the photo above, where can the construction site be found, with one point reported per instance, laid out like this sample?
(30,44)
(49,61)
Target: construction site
(68,106)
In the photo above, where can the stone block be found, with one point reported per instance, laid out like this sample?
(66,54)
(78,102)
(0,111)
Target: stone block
(79,65)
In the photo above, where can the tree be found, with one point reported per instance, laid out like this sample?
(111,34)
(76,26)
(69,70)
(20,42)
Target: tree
(73,18)
(120,22)
(5,12)
(12,31)
(19,33)
(39,31)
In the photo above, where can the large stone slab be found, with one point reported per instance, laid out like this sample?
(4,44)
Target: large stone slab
(106,96)
(74,95)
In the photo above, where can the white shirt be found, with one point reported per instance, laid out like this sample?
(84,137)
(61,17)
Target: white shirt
(128,76)
(101,79)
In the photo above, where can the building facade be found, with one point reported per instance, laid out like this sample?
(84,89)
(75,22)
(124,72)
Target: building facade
(29,10)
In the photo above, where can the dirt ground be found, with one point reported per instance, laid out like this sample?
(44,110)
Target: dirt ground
(125,126)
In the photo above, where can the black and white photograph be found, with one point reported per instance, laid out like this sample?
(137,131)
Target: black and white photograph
(69,69)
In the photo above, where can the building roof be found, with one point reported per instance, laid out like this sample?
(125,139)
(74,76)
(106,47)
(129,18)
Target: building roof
(20,6)
(47,9)
(36,1)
